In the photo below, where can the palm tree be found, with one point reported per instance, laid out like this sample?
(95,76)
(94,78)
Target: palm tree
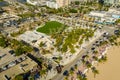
(19,77)
(79,77)
(41,44)
(43,72)
(72,71)
(66,78)
(95,71)
(113,39)
(76,66)
(83,61)
(95,52)
(84,78)
(104,58)
(95,58)
(3,42)
(85,56)
(88,64)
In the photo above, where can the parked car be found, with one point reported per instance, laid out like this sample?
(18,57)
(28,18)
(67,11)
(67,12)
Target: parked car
(12,52)
(93,48)
(117,32)
(23,58)
(54,58)
(105,34)
(3,56)
(4,68)
(66,73)
(6,77)
(19,60)
(12,64)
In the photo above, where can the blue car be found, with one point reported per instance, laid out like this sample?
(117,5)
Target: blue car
(66,73)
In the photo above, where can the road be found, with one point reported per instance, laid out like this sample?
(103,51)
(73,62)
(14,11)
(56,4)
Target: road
(68,66)
(15,2)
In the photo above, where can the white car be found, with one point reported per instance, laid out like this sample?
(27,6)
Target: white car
(18,60)
(4,68)
(106,33)
(23,58)
(12,64)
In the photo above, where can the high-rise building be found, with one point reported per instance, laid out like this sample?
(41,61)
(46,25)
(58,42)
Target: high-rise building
(62,3)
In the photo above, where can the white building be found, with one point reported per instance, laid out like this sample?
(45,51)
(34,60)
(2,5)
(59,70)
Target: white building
(114,10)
(104,17)
(52,4)
(32,2)
(98,13)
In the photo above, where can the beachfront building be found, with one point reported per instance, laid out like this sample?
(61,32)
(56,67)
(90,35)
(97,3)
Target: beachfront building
(115,12)
(97,13)
(104,17)
(52,4)
(111,1)
(117,16)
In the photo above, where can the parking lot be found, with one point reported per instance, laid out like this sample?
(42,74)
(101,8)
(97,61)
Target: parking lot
(23,66)
(6,57)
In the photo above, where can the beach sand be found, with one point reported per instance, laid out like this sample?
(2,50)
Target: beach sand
(109,70)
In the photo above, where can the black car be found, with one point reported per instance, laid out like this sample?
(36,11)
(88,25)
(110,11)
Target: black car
(11,52)
(117,32)
(7,78)
(93,48)
(105,34)
(54,58)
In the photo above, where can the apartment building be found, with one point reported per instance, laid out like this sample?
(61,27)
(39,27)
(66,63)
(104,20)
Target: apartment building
(62,3)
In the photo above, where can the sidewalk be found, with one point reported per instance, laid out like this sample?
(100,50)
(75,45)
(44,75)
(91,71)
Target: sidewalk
(49,75)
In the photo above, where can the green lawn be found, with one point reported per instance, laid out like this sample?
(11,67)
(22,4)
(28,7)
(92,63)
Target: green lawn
(51,27)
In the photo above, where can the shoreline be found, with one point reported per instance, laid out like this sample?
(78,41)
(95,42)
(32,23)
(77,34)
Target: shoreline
(84,69)
(94,63)
(110,69)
